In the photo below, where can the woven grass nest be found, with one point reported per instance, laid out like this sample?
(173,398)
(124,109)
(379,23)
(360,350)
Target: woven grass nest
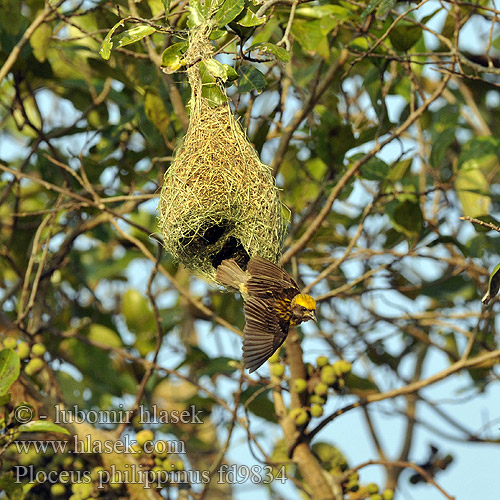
(218,200)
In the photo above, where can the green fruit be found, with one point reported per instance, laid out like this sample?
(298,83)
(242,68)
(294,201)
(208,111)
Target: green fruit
(337,368)
(9,342)
(30,458)
(299,385)
(277,370)
(142,437)
(96,473)
(299,415)
(136,423)
(83,490)
(38,349)
(345,367)
(114,484)
(23,350)
(34,366)
(339,384)
(161,449)
(274,358)
(318,400)
(372,488)
(316,411)
(78,464)
(388,494)
(179,465)
(353,486)
(57,490)
(328,375)
(321,361)
(310,369)
(321,389)
(376,496)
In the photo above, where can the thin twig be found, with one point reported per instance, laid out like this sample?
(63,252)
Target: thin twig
(489,225)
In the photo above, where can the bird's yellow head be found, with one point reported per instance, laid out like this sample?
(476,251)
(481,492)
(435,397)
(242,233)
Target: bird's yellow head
(303,309)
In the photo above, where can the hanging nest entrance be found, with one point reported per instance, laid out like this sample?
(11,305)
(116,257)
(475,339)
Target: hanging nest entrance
(218,200)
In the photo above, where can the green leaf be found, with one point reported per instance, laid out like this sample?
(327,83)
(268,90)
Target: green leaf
(107,44)
(196,13)
(232,74)
(132,35)
(39,41)
(251,79)
(230,9)
(405,35)
(10,365)
(216,69)
(266,48)
(472,188)
(406,216)
(216,34)
(4,399)
(219,365)
(440,146)
(384,7)
(265,33)
(483,151)
(156,112)
(261,405)
(207,79)
(311,36)
(399,169)
(137,312)
(370,8)
(214,95)
(375,170)
(446,240)
(211,6)
(249,19)
(104,335)
(360,43)
(448,289)
(42,426)
(360,386)
(171,59)
(493,285)
(166,6)
(211,69)
(12,487)
(320,11)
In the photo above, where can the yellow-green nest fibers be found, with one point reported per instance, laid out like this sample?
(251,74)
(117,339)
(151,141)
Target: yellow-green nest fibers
(218,200)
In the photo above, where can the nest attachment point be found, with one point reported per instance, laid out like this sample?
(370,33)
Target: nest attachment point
(218,200)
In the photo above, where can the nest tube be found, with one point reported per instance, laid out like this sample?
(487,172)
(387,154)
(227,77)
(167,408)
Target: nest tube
(218,200)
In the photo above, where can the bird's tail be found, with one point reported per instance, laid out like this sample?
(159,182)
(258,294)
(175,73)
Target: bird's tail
(231,275)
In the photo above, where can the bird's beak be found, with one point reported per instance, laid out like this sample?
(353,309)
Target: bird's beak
(312,315)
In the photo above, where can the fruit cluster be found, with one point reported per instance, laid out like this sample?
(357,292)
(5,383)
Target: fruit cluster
(320,379)
(156,454)
(33,354)
(370,491)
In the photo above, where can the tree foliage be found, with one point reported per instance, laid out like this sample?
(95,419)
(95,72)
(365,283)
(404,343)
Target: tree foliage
(379,120)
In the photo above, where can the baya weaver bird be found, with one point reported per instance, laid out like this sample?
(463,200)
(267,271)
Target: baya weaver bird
(273,303)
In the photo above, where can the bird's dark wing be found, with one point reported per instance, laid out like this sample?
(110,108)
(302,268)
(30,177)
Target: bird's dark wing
(264,332)
(269,280)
